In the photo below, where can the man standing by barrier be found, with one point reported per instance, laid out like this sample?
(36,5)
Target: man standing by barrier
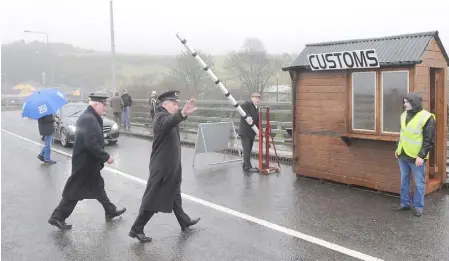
(127,102)
(163,191)
(88,159)
(117,106)
(415,142)
(246,133)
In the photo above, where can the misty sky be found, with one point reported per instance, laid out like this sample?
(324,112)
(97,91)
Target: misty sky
(143,26)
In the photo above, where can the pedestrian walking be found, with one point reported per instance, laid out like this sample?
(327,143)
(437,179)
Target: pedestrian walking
(127,103)
(163,191)
(88,159)
(117,106)
(417,138)
(46,130)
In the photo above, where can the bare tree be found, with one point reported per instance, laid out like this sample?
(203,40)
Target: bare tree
(285,59)
(252,65)
(190,75)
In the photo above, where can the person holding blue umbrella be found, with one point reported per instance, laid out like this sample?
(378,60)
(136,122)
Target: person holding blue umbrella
(41,106)
(46,129)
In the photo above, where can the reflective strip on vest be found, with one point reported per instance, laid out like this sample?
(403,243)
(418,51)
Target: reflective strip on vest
(411,137)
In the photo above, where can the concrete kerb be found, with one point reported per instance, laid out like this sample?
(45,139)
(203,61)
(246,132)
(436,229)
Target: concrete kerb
(287,160)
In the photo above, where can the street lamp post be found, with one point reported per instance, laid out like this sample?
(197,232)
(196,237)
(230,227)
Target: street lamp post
(46,36)
(111,11)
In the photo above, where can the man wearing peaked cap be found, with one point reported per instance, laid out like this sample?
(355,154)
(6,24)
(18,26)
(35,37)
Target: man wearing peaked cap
(98,97)
(88,158)
(163,191)
(170,95)
(247,134)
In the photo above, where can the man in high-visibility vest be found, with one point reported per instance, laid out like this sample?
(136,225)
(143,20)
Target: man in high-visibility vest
(415,142)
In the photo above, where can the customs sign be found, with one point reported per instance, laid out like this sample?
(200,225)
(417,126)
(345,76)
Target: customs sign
(357,59)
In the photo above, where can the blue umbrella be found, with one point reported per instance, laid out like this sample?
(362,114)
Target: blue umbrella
(43,102)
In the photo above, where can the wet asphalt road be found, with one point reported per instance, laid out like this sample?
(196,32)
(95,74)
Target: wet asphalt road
(359,220)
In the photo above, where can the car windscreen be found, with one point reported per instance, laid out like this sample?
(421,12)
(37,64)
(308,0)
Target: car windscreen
(73,110)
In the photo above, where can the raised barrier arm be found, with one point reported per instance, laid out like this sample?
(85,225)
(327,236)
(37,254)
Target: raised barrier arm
(220,85)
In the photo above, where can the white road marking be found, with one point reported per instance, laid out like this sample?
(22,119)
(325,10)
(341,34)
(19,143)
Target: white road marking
(232,212)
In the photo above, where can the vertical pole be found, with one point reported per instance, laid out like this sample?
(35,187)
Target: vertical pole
(236,140)
(196,144)
(112,44)
(50,70)
(277,89)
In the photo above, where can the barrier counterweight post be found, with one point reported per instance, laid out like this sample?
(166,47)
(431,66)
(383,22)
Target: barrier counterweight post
(260,143)
(220,85)
(267,137)
(264,167)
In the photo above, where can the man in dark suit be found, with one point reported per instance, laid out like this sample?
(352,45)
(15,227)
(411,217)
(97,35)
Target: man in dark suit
(246,133)
(88,159)
(163,192)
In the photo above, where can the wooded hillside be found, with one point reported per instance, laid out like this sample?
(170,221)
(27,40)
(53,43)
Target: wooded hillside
(249,68)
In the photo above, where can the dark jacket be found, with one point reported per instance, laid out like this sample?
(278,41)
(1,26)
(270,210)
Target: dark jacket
(88,158)
(244,129)
(46,125)
(127,101)
(428,129)
(116,104)
(164,181)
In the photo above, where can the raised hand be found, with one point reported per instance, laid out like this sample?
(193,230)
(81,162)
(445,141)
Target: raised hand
(189,107)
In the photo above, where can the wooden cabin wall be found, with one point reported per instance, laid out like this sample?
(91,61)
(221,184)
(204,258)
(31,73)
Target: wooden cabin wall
(321,116)
(433,57)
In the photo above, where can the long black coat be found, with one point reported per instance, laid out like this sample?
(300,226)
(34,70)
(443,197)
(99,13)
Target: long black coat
(88,158)
(165,163)
(46,125)
(244,129)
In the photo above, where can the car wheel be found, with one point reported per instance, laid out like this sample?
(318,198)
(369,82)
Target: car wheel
(112,142)
(64,139)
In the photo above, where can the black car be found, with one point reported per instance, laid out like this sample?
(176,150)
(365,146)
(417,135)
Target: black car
(65,125)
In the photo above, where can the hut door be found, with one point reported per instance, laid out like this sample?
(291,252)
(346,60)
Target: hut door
(433,155)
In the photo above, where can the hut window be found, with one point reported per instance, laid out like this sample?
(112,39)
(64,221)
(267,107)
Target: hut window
(364,101)
(378,115)
(394,85)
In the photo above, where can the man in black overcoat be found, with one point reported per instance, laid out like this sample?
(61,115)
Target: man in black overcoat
(163,191)
(88,159)
(246,133)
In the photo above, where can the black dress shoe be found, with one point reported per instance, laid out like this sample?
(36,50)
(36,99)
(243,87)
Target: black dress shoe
(251,170)
(59,224)
(191,223)
(118,212)
(140,236)
(41,158)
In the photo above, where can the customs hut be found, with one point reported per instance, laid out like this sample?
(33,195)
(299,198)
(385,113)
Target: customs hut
(347,106)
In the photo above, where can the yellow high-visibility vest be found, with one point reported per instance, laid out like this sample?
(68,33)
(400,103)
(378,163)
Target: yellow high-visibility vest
(411,137)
